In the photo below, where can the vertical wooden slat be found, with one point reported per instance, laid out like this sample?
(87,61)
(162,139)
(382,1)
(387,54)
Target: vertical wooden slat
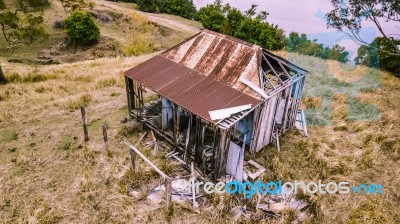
(203,149)
(188,136)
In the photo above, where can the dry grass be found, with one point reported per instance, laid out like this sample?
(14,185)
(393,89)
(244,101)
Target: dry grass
(48,174)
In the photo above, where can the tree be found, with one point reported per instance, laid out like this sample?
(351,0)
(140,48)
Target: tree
(247,26)
(338,53)
(300,43)
(21,23)
(184,8)
(376,55)
(150,5)
(81,28)
(212,16)
(352,13)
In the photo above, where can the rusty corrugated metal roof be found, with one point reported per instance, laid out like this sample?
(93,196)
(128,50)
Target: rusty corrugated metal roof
(187,87)
(222,57)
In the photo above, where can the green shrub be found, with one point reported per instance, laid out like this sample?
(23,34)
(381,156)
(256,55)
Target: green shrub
(80,27)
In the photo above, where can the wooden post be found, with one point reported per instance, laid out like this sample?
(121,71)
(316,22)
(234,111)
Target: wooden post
(168,190)
(3,79)
(176,120)
(193,188)
(85,130)
(105,137)
(130,95)
(133,160)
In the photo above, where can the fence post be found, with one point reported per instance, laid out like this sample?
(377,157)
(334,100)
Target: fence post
(85,130)
(168,190)
(105,137)
(133,160)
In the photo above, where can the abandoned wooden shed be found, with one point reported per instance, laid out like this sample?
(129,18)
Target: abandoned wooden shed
(218,96)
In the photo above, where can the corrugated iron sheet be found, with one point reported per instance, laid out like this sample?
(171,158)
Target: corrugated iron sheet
(187,87)
(224,58)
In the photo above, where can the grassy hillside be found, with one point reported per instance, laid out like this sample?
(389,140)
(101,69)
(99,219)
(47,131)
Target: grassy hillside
(123,33)
(49,175)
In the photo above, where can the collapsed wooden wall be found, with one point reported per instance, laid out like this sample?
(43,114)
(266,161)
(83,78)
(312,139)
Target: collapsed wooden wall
(276,115)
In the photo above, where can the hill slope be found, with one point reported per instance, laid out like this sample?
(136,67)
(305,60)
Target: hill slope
(124,31)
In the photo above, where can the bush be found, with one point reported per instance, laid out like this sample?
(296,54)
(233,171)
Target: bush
(80,27)
(58,25)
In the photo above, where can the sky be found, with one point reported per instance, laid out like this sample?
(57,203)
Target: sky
(307,16)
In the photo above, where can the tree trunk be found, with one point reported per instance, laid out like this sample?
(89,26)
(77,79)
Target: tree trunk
(3,79)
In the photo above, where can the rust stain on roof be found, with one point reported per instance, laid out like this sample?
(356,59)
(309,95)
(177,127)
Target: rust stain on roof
(222,57)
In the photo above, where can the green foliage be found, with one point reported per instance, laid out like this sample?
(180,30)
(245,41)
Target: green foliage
(300,43)
(80,27)
(150,5)
(348,17)
(247,26)
(378,54)
(29,78)
(21,23)
(212,16)
(184,8)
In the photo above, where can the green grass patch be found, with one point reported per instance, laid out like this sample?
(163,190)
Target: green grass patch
(9,135)
(75,104)
(106,83)
(29,78)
